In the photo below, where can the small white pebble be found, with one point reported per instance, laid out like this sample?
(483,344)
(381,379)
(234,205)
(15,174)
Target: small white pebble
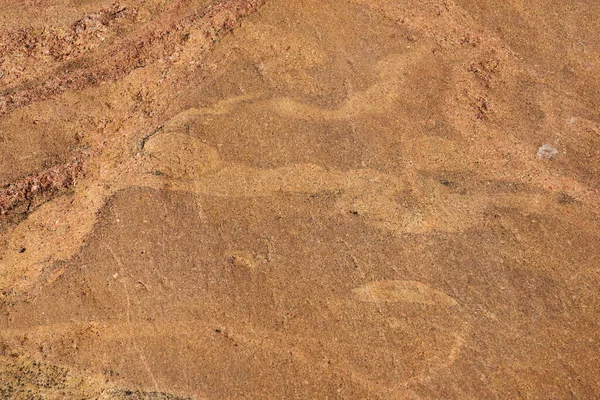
(546,152)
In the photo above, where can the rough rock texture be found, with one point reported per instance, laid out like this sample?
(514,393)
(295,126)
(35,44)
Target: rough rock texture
(299,199)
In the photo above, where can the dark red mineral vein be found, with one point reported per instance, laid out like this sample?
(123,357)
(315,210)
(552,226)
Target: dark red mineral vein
(42,184)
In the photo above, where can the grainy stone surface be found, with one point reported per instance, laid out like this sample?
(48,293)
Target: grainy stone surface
(299,199)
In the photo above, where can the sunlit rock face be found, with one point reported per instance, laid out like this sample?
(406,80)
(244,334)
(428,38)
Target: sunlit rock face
(311,199)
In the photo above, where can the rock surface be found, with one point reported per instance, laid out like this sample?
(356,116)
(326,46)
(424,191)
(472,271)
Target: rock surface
(299,199)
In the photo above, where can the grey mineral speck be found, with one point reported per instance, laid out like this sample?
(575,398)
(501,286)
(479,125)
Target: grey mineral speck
(546,152)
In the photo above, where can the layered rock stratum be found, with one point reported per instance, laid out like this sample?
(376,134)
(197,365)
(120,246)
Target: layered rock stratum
(299,199)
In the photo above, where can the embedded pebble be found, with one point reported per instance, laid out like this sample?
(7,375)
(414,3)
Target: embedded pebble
(546,152)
